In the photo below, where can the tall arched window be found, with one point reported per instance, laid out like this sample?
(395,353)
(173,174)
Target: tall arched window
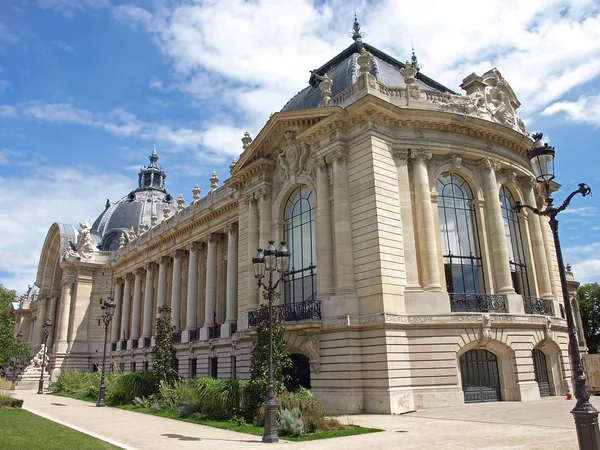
(299,230)
(463,266)
(512,229)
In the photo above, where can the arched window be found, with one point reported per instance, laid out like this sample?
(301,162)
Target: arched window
(460,240)
(299,230)
(512,229)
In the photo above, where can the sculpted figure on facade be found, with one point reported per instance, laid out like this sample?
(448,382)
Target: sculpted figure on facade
(36,361)
(292,156)
(84,248)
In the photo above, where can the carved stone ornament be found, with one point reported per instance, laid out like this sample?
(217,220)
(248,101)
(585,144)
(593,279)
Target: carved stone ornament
(292,156)
(420,153)
(339,154)
(40,356)
(312,346)
(68,279)
(83,250)
(399,153)
(490,164)
(486,329)
(548,329)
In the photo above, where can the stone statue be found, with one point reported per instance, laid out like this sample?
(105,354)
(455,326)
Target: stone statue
(292,156)
(84,248)
(39,356)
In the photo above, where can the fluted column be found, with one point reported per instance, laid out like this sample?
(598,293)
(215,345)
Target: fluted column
(41,318)
(161,294)
(343,228)
(252,230)
(497,234)
(542,274)
(176,290)
(324,235)
(137,306)
(232,275)
(210,302)
(148,300)
(125,312)
(192,291)
(52,317)
(264,213)
(65,306)
(116,322)
(426,230)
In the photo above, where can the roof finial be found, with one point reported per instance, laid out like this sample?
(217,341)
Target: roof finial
(356,34)
(415,60)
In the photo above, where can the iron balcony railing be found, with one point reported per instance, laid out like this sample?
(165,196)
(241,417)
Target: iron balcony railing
(177,337)
(290,312)
(470,302)
(214,332)
(539,306)
(194,335)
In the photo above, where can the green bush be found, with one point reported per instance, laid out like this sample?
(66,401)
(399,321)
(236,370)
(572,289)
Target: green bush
(289,422)
(80,384)
(218,399)
(6,401)
(313,413)
(123,388)
(182,392)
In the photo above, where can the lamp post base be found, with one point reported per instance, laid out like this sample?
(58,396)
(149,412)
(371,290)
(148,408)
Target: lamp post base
(270,435)
(41,387)
(101,395)
(586,424)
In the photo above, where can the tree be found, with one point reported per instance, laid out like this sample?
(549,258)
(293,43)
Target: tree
(164,355)
(589,307)
(12,350)
(256,391)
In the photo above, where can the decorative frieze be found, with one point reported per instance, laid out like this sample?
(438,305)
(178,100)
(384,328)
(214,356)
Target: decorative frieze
(420,153)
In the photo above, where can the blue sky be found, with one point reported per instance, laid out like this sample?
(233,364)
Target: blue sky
(88,87)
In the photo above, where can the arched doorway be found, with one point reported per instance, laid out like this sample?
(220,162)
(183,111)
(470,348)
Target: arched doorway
(479,374)
(541,372)
(299,373)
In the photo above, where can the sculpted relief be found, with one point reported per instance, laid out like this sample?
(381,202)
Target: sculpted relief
(84,248)
(292,156)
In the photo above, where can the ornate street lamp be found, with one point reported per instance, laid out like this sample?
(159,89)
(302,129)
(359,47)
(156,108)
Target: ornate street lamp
(271,260)
(108,311)
(46,330)
(541,156)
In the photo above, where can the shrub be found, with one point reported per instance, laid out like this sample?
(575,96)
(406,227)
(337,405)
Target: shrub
(289,422)
(331,423)
(124,387)
(218,399)
(313,413)
(80,384)
(186,410)
(154,407)
(183,391)
(6,401)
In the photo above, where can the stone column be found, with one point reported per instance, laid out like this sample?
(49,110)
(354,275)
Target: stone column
(137,307)
(116,322)
(343,228)
(426,230)
(52,316)
(124,333)
(176,290)
(161,294)
(41,318)
(252,230)
(499,248)
(192,292)
(148,302)
(65,305)
(232,280)
(210,302)
(264,213)
(323,232)
(542,274)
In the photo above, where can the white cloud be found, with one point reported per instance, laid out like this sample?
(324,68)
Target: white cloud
(584,211)
(585,262)
(585,110)
(65,47)
(54,194)
(8,111)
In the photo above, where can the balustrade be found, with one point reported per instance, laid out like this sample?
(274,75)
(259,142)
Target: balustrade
(540,306)
(290,312)
(471,302)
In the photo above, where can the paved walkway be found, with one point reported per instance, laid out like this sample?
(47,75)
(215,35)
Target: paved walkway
(543,424)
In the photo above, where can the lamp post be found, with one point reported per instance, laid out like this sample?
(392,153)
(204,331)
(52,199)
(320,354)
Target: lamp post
(108,311)
(46,330)
(541,156)
(271,260)
(19,335)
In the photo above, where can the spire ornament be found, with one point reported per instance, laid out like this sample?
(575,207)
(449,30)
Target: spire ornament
(166,211)
(153,219)
(196,192)
(213,181)
(122,241)
(414,60)
(356,34)
(364,61)
(246,140)
(180,204)
(325,86)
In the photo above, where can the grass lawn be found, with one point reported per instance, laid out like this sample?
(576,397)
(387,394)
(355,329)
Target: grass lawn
(348,430)
(20,429)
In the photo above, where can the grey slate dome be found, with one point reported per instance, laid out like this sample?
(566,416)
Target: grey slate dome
(343,70)
(135,208)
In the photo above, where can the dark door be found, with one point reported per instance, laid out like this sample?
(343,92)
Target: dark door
(299,374)
(541,372)
(479,371)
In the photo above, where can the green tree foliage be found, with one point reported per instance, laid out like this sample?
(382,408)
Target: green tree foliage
(12,350)
(589,308)
(164,356)
(256,388)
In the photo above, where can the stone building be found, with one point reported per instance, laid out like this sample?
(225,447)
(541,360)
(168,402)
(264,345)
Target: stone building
(412,282)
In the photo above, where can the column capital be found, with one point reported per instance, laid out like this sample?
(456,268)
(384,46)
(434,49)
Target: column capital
(231,228)
(321,164)
(151,266)
(68,279)
(128,276)
(400,154)
(161,261)
(420,153)
(212,238)
(339,154)
(193,246)
(249,198)
(528,182)
(177,253)
(489,164)
(263,193)
(139,271)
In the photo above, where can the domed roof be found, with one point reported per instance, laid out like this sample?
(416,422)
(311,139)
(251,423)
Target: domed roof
(343,70)
(138,207)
